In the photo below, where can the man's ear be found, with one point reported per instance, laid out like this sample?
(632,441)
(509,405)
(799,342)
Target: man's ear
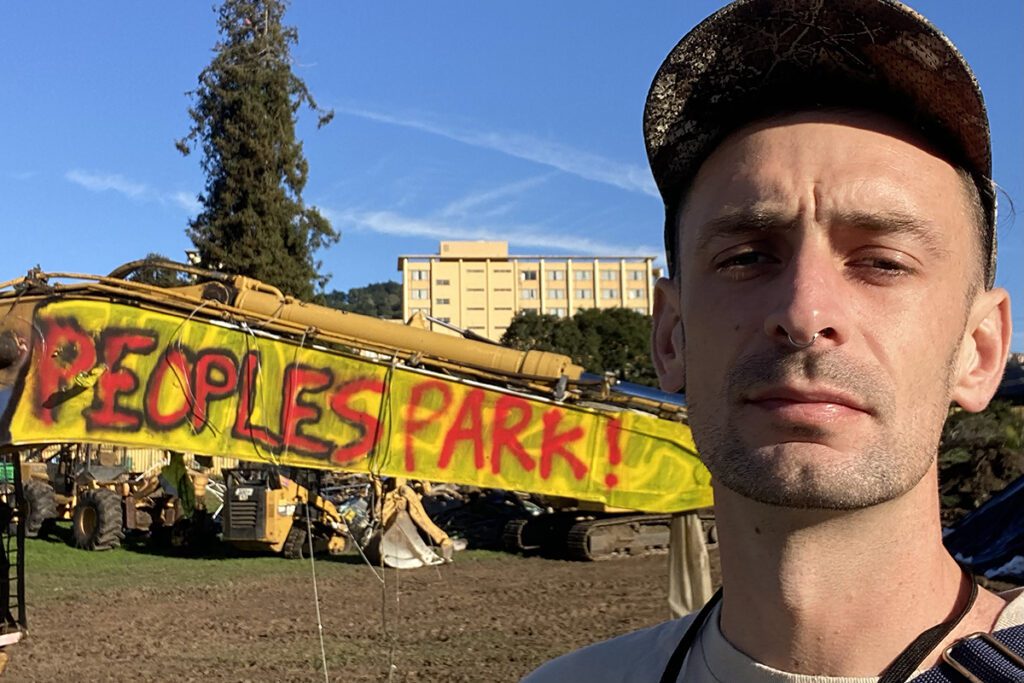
(984,349)
(667,339)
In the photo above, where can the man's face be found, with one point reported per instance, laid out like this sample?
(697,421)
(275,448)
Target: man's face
(835,224)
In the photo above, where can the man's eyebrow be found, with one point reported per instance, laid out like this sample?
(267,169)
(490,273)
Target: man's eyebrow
(743,221)
(750,220)
(895,223)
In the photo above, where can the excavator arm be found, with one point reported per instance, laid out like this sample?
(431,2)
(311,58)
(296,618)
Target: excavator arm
(231,367)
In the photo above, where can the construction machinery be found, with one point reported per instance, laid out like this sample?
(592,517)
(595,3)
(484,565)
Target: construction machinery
(403,522)
(552,526)
(295,515)
(229,366)
(530,405)
(90,485)
(580,530)
(268,512)
(577,530)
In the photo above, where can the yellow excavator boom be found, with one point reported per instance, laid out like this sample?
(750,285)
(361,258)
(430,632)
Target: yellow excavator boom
(231,367)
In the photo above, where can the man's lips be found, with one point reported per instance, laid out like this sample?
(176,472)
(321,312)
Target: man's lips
(806,404)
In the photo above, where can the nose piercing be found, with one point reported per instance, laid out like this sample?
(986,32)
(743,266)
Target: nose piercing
(804,345)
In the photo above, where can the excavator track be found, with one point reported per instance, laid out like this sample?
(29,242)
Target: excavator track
(606,538)
(514,537)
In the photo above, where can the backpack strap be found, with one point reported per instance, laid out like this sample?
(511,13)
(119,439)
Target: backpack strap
(981,658)
(675,663)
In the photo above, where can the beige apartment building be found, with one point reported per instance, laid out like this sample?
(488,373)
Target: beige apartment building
(479,286)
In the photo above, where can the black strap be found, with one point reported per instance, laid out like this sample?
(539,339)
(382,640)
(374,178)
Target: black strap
(900,671)
(908,661)
(675,662)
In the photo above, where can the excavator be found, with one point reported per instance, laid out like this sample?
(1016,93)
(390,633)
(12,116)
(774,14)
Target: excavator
(229,366)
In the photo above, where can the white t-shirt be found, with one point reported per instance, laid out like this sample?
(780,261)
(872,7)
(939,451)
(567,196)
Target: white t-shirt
(641,656)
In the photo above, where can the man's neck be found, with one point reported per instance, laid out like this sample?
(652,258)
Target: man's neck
(839,593)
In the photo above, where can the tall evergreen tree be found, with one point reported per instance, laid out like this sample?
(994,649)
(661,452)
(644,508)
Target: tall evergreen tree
(253,220)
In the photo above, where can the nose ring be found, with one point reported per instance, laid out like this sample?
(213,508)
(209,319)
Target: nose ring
(804,345)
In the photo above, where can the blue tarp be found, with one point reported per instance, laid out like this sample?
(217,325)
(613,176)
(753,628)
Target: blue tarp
(990,540)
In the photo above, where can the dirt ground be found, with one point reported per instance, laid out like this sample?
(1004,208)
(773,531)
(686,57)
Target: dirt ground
(486,617)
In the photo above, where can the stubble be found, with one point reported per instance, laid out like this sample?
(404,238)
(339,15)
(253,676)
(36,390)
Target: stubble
(796,470)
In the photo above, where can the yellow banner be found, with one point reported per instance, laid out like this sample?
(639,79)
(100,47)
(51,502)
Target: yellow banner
(112,373)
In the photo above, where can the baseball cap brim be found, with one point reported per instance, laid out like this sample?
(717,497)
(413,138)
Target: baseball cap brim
(755,55)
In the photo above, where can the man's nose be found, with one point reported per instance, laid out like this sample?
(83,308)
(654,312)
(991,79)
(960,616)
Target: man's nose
(808,306)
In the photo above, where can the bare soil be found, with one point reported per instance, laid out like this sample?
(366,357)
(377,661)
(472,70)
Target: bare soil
(486,617)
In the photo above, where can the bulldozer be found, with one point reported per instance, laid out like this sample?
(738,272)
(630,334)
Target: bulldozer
(84,483)
(266,511)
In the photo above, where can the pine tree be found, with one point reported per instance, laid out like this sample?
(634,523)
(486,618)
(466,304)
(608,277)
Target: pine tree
(253,220)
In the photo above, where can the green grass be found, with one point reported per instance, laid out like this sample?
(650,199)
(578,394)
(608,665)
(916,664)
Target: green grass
(52,566)
(55,570)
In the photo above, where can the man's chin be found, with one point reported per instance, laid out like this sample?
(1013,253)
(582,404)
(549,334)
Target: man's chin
(808,475)
(825,499)
(804,455)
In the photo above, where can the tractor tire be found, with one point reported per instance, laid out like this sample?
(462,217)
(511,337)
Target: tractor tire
(97,523)
(40,506)
(295,544)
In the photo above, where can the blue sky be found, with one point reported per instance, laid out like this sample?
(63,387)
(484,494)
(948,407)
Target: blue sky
(457,119)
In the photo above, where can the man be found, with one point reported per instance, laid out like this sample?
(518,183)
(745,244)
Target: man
(826,173)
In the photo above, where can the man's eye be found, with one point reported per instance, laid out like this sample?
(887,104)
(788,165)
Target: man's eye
(882,267)
(743,259)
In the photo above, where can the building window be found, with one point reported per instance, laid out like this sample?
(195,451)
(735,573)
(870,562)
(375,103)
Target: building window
(556,274)
(636,275)
(502,289)
(609,275)
(502,270)
(581,275)
(443,302)
(474,289)
(419,294)
(443,282)
(474,308)
(584,294)
(609,294)
(528,294)
(503,308)
(556,293)
(445,320)
(635,294)
(528,275)
(560,312)
(474,270)
(528,309)
(419,274)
